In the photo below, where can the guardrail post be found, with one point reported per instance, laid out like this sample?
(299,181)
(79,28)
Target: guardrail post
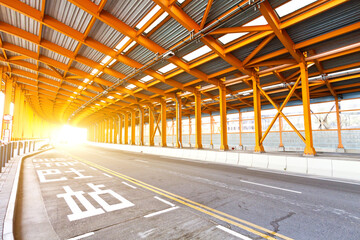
(29,146)
(12,149)
(2,162)
(24,147)
(18,147)
(34,145)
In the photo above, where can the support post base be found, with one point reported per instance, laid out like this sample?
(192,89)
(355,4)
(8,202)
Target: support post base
(340,150)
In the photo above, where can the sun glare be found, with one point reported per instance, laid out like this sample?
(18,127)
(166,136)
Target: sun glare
(70,135)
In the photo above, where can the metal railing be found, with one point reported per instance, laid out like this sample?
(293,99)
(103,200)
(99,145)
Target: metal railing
(17,148)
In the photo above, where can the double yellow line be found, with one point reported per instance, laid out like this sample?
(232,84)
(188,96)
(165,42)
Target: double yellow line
(253,228)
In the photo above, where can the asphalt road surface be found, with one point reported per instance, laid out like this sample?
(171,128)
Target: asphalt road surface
(86,192)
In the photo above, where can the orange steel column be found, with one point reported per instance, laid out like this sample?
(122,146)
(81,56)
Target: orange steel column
(106,130)
(189,131)
(17,108)
(338,121)
(198,143)
(179,123)
(163,123)
(116,130)
(240,128)
(309,147)
(281,145)
(121,126)
(141,126)
(111,130)
(257,115)
(21,114)
(223,118)
(151,126)
(133,122)
(126,130)
(211,130)
(5,133)
(102,131)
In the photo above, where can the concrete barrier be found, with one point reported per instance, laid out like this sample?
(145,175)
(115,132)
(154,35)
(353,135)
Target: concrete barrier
(346,169)
(319,166)
(220,157)
(277,162)
(210,156)
(245,159)
(260,160)
(232,158)
(296,164)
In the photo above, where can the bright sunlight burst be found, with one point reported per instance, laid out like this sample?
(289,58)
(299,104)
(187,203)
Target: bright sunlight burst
(69,135)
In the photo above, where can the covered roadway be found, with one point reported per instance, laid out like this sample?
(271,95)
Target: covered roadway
(203,119)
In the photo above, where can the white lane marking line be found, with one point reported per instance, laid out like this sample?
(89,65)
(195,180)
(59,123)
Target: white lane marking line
(160,212)
(236,234)
(143,161)
(107,175)
(264,185)
(82,236)
(147,233)
(164,201)
(93,168)
(129,185)
(304,176)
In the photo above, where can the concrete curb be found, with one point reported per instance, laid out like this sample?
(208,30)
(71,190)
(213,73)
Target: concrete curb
(8,233)
(320,166)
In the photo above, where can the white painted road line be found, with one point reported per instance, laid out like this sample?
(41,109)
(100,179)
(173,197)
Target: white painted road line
(264,185)
(160,212)
(164,201)
(82,236)
(143,161)
(107,175)
(93,168)
(129,185)
(304,176)
(236,234)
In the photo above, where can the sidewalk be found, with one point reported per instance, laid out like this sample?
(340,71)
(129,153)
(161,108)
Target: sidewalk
(7,177)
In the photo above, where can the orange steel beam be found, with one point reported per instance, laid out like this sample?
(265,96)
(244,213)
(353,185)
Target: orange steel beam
(279,110)
(180,16)
(274,22)
(241,29)
(60,50)
(61,27)
(206,13)
(120,26)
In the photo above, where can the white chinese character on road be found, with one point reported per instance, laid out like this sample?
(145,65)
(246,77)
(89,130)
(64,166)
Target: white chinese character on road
(77,213)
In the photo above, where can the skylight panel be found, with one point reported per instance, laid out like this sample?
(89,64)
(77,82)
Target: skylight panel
(180,1)
(231,37)
(146,78)
(94,71)
(86,80)
(130,86)
(99,73)
(102,101)
(80,87)
(122,43)
(292,6)
(148,16)
(105,60)
(197,53)
(130,46)
(167,68)
(256,22)
(111,63)
(156,22)
(97,104)
(110,97)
